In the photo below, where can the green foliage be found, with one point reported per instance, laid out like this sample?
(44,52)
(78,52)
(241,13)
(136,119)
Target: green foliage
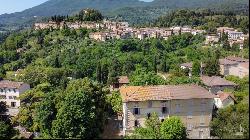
(4,130)
(82,112)
(143,77)
(176,80)
(150,131)
(115,101)
(212,67)
(229,121)
(204,19)
(30,100)
(3,107)
(173,128)
(242,90)
(45,114)
(196,68)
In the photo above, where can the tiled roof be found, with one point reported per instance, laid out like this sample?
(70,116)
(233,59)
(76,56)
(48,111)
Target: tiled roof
(216,81)
(226,62)
(123,80)
(10,84)
(245,65)
(237,59)
(190,65)
(225,95)
(163,92)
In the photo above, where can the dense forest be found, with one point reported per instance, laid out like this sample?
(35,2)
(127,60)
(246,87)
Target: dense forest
(70,75)
(204,19)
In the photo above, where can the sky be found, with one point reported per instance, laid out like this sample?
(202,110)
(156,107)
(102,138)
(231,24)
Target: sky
(11,6)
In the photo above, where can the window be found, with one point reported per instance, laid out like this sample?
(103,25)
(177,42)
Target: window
(202,119)
(164,110)
(189,127)
(9,90)
(149,104)
(136,123)
(14,90)
(10,97)
(1,90)
(13,104)
(177,109)
(190,114)
(14,97)
(137,111)
(2,97)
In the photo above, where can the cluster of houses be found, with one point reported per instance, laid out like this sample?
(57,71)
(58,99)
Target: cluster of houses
(234,37)
(194,104)
(119,30)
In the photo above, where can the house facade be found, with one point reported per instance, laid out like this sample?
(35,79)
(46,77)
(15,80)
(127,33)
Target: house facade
(224,99)
(191,103)
(10,92)
(215,83)
(235,66)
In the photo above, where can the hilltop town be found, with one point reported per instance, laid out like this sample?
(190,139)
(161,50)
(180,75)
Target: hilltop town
(87,77)
(121,30)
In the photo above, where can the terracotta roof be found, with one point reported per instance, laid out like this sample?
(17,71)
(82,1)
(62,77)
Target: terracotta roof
(237,59)
(245,65)
(123,80)
(189,65)
(226,62)
(10,84)
(216,81)
(163,92)
(224,95)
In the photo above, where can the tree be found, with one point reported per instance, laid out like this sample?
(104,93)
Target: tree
(212,67)
(45,114)
(3,107)
(196,68)
(6,129)
(173,128)
(230,121)
(81,114)
(115,102)
(143,77)
(151,129)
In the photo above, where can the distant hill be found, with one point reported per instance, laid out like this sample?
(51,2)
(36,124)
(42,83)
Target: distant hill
(134,11)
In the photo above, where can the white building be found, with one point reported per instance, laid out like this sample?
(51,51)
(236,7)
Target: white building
(234,34)
(224,99)
(10,92)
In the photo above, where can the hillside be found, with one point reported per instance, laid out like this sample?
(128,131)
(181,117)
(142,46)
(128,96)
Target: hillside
(137,11)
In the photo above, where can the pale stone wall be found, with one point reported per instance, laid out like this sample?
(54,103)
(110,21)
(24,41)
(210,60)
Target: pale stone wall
(196,114)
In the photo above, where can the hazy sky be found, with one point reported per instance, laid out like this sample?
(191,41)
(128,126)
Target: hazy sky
(11,6)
